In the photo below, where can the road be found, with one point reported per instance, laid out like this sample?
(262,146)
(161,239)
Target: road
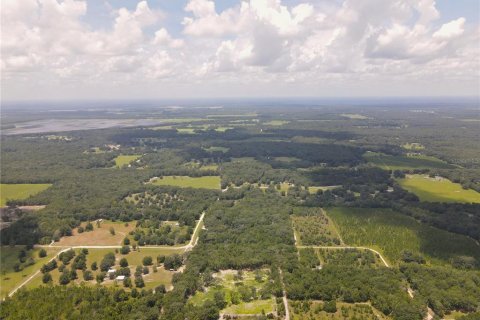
(193,242)
(285,300)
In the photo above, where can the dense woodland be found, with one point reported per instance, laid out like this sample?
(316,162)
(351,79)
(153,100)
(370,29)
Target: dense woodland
(265,172)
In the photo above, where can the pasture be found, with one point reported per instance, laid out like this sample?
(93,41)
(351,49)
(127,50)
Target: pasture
(314,189)
(100,236)
(124,160)
(354,116)
(409,162)
(438,189)
(9,257)
(306,310)
(216,149)
(276,123)
(19,191)
(205,182)
(392,233)
(413,146)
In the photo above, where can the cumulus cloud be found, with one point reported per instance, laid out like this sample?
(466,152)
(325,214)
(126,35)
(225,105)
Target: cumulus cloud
(264,41)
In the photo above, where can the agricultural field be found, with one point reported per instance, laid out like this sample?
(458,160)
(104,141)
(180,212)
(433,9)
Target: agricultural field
(10,261)
(438,189)
(124,160)
(152,279)
(354,116)
(315,230)
(244,292)
(19,191)
(216,149)
(320,310)
(100,235)
(392,233)
(314,189)
(409,162)
(205,182)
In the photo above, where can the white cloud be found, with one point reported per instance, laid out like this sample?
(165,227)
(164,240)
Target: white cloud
(253,41)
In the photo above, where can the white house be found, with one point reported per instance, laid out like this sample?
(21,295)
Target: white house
(120,278)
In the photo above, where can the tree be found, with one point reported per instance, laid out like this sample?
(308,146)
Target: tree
(80,229)
(126,241)
(64,278)
(100,277)
(112,231)
(87,275)
(73,274)
(89,226)
(94,266)
(127,282)
(330,306)
(123,263)
(145,270)
(147,261)
(47,277)
(139,283)
(42,253)
(125,250)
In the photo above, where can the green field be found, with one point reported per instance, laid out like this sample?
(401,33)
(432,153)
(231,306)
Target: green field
(19,191)
(438,189)
(253,307)
(354,116)
(216,149)
(315,230)
(276,123)
(388,162)
(205,182)
(413,146)
(391,233)
(306,310)
(122,160)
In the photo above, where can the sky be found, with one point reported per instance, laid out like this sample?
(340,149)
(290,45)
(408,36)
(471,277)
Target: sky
(154,49)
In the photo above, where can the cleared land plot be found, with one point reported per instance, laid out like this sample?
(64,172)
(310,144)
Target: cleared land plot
(134,258)
(388,162)
(392,233)
(239,291)
(286,159)
(315,230)
(341,257)
(314,189)
(9,257)
(306,310)
(19,191)
(100,236)
(205,182)
(354,116)
(438,189)
(276,122)
(124,160)
(413,146)
(216,149)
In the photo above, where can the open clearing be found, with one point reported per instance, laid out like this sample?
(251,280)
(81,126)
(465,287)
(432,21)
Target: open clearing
(240,289)
(306,310)
(413,146)
(124,160)
(392,233)
(276,123)
(316,257)
(9,257)
(354,116)
(438,189)
(315,230)
(411,162)
(216,149)
(19,191)
(205,182)
(100,236)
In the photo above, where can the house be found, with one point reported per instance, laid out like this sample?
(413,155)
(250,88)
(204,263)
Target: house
(120,278)
(112,270)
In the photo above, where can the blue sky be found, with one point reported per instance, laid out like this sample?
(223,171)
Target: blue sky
(70,49)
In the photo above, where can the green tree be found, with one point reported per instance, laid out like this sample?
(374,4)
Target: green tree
(47,277)
(42,253)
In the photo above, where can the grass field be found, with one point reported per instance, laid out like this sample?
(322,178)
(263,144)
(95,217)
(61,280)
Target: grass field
(123,160)
(205,182)
(388,162)
(354,116)
(306,310)
(314,189)
(216,149)
(209,167)
(438,189)
(99,236)
(9,257)
(413,146)
(254,307)
(391,233)
(19,191)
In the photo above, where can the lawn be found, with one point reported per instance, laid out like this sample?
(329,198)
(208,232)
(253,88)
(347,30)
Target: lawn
(254,307)
(100,236)
(9,257)
(19,191)
(411,162)
(391,233)
(438,189)
(205,182)
(124,160)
